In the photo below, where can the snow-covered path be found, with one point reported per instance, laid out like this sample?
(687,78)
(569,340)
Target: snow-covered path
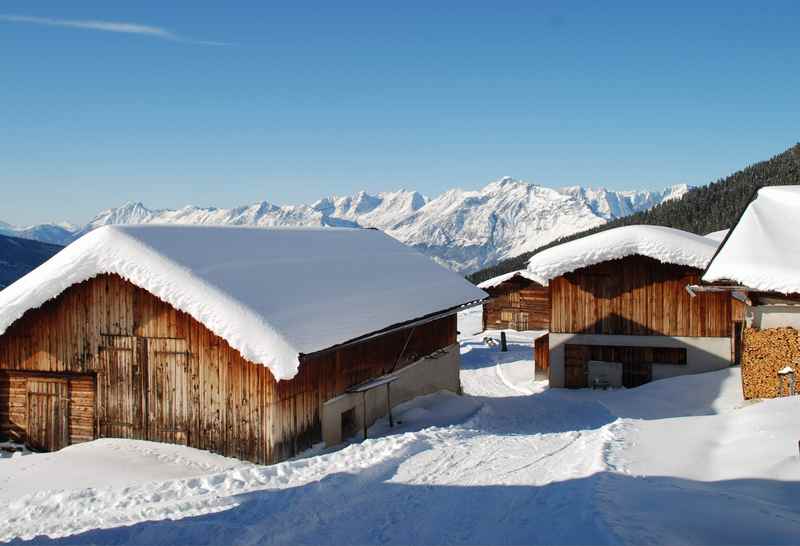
(509,463)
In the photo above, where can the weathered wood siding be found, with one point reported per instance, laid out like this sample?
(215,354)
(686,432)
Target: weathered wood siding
(637,296)
(517,304)
(541,355)
(14,404)
(161,375)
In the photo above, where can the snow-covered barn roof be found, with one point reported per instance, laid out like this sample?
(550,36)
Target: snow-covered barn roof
(762,251)
(500,279)
(272,294)
(717,235)
(664,244)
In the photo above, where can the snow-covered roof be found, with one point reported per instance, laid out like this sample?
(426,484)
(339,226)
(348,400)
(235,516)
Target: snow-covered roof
(717,235)
(272,294)
(500,279)
(763,250)
(664,244)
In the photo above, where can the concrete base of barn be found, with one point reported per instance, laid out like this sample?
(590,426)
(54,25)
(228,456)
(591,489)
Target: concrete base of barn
(344,416)
(643,358)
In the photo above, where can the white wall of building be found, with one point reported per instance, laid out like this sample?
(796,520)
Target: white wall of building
(433,373)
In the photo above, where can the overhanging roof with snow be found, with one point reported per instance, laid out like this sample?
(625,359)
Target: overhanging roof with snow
(762,251)
(500,279)
(272,294)
(667,245)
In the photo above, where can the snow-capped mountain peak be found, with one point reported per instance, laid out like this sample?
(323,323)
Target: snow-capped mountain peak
(462,229)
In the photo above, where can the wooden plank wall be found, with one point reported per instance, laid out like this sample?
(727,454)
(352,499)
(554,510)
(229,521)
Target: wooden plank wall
(13,405)
(161,375)
(531,297)
(637,296)
(541,354)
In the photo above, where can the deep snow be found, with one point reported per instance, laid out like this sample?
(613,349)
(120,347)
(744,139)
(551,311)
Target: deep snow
(668,245)
(681,460)
(761,251)
(272,294)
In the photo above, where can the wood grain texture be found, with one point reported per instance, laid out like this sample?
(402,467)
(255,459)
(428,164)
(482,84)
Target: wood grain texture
(138,368)
(638,296)
(517,304)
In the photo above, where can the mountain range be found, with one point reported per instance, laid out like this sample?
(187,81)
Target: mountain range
(702,210)
(463,230)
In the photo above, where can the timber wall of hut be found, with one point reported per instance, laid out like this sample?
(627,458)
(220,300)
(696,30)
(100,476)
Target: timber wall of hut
(135,367)
(517,304)
(637,295)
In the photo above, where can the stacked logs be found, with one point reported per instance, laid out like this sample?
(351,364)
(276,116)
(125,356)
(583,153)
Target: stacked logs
(764,353)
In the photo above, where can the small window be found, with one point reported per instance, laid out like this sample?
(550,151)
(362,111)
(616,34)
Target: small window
(506,316)
(513,297)
(522,320)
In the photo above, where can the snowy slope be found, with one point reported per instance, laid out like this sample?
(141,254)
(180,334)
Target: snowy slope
(58,234)
(509,463)
(464,230)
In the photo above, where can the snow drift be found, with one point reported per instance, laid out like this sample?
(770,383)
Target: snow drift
(272,294)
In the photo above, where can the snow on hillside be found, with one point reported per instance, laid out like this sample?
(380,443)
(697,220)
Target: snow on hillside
(680,460)
(57,234)
(464,230)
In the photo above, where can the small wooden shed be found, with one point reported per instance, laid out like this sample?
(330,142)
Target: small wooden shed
(517,301)
(241,341)
(619,302)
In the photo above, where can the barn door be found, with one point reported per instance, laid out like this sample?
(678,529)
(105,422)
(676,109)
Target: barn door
(48,413)
(121,384)
(168,390)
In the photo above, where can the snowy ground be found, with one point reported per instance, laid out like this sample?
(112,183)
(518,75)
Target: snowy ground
(676,461)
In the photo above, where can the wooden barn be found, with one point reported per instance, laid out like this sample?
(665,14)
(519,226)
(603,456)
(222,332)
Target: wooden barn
(517,301)
(246,342)
(758,263)
(621,314)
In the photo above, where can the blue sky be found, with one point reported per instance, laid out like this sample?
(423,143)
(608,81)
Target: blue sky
(224,104)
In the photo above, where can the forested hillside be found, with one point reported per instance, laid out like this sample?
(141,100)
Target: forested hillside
(701,210)
(18,256)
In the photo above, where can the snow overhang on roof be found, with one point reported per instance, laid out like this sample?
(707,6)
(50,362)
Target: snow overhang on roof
(500,279)
(762,251)
(272,294)
(664,244)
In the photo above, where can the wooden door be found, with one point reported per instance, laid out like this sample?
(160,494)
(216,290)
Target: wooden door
(121,385)
(168,390)
(575,372)
(47,413)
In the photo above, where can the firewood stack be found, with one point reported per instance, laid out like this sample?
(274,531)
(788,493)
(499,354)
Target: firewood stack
(765,352)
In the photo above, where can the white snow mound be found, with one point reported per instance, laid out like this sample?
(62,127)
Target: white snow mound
(763,250)
(272,294)
(664,244)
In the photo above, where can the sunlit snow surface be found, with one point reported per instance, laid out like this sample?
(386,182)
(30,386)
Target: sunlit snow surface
(272,294)
(681,460)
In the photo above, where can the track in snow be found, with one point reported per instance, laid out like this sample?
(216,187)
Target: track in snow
(508,466)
